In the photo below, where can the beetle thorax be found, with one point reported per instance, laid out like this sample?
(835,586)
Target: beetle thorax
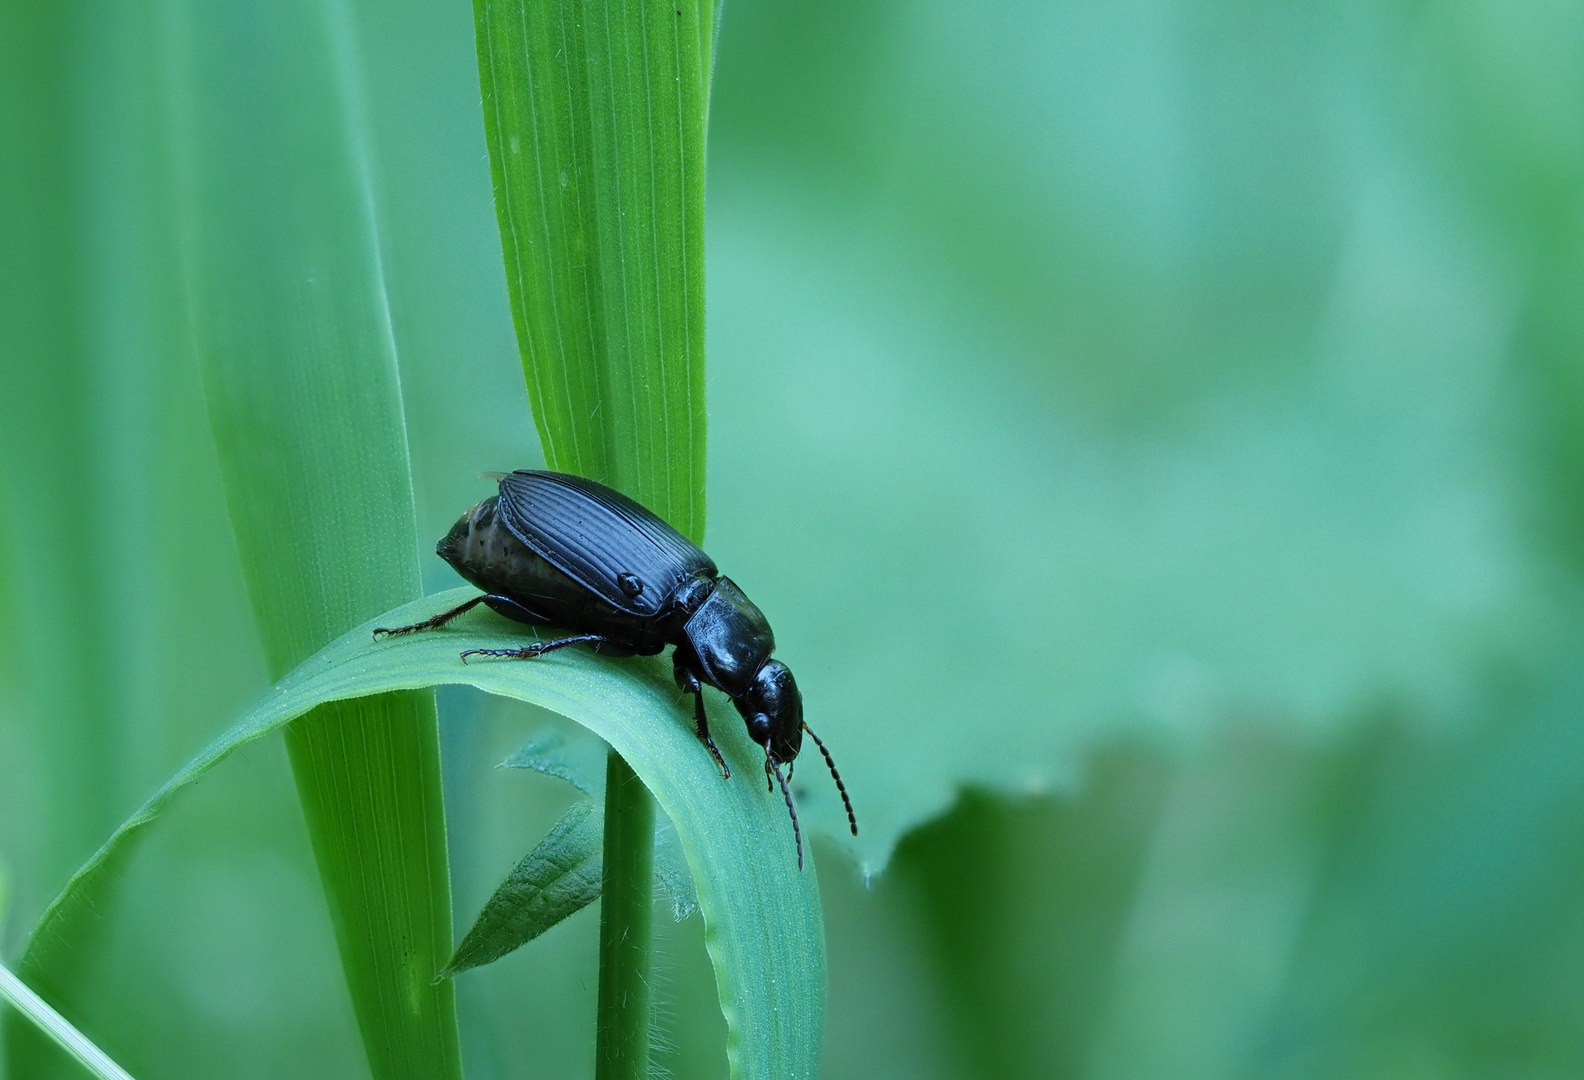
(731,637)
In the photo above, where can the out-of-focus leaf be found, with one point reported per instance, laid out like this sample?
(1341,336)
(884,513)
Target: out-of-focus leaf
(582,764)
(761,914)
(48,431)
(671,872)
(100,404)
(1173,409)
(15,993)
(1026,903)
(555,880)
(292,332)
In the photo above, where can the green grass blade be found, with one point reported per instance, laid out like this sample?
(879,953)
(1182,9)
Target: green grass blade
(621,1047)
(47,418)
(762,916)
(293,337)
(558,878)
(594,117)
(15,993)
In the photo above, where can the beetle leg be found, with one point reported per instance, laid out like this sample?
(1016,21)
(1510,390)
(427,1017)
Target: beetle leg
(433,623)
(538,648)
(688,682)
(701,720)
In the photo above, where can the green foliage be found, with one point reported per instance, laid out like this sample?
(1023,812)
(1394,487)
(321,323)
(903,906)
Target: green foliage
(1201,374)
(564,873)
(557,879)
(551,755)
(292,334)
(761,913)
(594,118)
(15,993)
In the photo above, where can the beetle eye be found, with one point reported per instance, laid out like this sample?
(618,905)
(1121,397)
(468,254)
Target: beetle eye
(759,728)
(629,584)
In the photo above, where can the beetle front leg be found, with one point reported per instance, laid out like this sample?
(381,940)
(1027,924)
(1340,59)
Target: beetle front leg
(701,725)
(689,682)
(432,623)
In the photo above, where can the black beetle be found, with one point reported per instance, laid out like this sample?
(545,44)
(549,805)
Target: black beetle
(554,549)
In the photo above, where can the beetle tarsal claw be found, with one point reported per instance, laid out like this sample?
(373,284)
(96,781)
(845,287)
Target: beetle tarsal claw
(515,654)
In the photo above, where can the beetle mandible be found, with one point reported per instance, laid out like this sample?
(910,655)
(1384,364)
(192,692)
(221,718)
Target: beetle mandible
(553,549)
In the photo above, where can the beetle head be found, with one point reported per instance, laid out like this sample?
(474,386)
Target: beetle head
(772,707)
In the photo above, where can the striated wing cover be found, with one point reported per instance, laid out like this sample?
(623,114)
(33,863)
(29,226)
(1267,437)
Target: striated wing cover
(598,536)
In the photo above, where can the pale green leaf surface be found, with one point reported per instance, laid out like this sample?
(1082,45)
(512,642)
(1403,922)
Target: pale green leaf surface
(762,916)
(558,878)
(671,871)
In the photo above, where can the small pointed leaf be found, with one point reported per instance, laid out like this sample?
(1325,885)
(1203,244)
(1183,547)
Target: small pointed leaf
(581,764)
(557,879)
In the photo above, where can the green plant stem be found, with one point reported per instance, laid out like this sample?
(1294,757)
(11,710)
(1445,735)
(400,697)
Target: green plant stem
(17,994)
(626,929)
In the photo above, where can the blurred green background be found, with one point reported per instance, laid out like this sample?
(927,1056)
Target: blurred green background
(1155,429)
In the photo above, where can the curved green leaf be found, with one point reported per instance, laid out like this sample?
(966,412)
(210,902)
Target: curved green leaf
(762,917)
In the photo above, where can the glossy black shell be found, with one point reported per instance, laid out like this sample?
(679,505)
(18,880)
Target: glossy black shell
(601,539)
(731,638)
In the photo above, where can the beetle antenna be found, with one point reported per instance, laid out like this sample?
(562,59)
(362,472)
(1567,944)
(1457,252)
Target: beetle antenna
(786,793)
(852,818)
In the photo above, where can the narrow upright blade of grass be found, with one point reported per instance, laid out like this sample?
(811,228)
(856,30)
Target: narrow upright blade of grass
(292,331)
(594,116)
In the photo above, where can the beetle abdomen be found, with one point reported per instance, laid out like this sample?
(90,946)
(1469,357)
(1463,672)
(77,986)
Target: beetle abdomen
(488,554)
(483,550)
